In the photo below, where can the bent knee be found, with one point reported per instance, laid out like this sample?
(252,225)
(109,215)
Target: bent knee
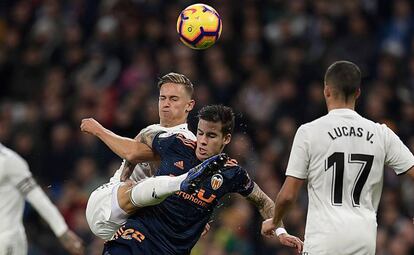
(123,195)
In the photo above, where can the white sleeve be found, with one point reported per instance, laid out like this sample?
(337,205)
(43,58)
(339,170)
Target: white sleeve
(299,156)
(189,135)
(153,127)
(20,176)
(397,155)
(38,199)
(18,173)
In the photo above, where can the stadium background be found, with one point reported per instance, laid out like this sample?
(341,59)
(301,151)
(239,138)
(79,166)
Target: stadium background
(61,61)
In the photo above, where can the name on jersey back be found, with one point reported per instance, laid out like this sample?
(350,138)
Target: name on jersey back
(346,131)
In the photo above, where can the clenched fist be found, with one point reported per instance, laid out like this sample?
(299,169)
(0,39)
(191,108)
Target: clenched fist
(91,126)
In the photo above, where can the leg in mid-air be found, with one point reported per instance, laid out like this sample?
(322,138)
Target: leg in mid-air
(131,230)
(154,190)
(110,205)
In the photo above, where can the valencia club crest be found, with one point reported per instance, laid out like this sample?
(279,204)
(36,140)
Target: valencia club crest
(216,181)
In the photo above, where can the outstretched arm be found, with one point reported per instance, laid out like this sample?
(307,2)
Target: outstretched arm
(262,202)
(39,200)
(130,149)
(266,207)
(19,175)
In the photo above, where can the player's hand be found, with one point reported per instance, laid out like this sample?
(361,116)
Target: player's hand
(90,126)
(127,171)
(268,228)
(291,241)
(206,229)
(72,243)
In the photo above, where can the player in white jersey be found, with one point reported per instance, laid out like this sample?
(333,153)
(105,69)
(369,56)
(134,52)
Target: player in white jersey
(16,185)
(342,156)
(145,170)
(110,204)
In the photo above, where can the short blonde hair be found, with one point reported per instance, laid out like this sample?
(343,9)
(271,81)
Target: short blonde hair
(177,79)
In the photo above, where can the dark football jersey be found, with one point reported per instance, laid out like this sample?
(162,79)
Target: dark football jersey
(176,224)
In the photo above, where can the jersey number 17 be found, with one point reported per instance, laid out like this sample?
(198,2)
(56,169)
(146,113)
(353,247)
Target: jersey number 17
(337,161)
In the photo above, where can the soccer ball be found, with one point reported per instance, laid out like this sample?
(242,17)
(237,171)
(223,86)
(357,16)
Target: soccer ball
(199,26)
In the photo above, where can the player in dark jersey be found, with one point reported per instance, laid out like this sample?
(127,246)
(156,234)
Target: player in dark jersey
(175,225)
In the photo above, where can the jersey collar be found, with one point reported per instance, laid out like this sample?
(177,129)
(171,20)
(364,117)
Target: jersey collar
(343,111)
(183,126)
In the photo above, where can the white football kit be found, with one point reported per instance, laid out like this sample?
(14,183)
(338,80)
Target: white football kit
(342,156)
(16,184)
(103,213)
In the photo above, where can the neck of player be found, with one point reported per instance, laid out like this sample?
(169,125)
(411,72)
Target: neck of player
(172,123)
(340,104)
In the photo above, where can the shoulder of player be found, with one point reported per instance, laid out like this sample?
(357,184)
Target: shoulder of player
(153,127)
(9,153)
(383,128)
(185,141)
(13,159)
(187,134)
(174,130)
(373,123)
(307,128)
(315,123)
(315,127)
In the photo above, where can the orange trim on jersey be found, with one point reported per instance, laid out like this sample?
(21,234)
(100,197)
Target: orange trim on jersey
(181,136)
(179,164)
(187,142)
(120,231)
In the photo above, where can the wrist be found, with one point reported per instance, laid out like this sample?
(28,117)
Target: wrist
(279,231)
(62,233)
(100,132)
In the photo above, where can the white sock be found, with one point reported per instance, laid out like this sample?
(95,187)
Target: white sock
(154,190)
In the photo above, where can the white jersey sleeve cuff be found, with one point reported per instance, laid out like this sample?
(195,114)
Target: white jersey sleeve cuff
(296,174)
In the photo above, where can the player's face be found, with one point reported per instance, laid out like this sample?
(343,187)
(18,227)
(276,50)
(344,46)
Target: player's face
(174,104)
(210,139)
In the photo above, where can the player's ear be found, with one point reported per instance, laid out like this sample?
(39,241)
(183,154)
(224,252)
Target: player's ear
(327,91)
(227,139)
(357,93)
(190,105)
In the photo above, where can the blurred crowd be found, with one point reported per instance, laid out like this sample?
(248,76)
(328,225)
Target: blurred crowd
(63,60)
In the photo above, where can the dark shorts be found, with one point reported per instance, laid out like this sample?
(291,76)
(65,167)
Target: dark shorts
(131,239)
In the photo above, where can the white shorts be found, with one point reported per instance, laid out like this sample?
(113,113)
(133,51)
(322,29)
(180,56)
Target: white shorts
(13,244)
(357,242)
(103,213)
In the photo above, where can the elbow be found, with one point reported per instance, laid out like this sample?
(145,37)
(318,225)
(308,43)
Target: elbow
(139,154)
(136,157)
(132,158)
(131,155)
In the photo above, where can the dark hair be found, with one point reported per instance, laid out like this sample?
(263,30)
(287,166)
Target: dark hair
(177,79)
(345,77)
(218,113)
